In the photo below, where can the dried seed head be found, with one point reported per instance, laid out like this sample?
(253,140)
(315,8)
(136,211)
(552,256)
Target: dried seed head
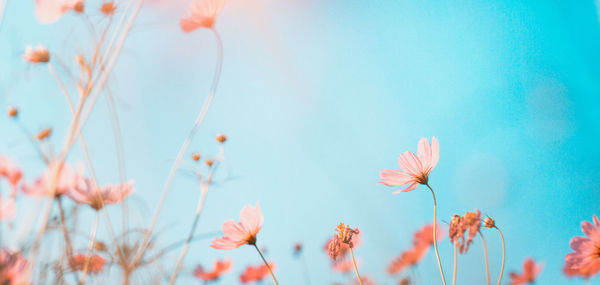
(209,162)
(100,246)
(79,7)
(196,156)
(221,138)
(108,8)
(345,234)
(489,222)
(44,134)
(13,112)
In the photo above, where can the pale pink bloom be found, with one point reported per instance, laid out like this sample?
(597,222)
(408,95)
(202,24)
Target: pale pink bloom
(415,168)
(86,193)
(256,273)
(36,55)
(220,268)
(8,209)
(202,14)
(407,259)
(68,179)
(530,273)
(49,11)
(424,237)
(586,258)
(13,268)
(243,232)
(11,172)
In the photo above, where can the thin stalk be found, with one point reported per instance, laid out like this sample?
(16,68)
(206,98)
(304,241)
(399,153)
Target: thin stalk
(90,248)
(503,254)
(199,207)
(266,264)
(455,264)
(305,268)
(437,254)
(355,267)
(199,119)
(485,252)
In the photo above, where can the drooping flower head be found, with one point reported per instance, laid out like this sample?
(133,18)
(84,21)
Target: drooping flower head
(415,168)
(530,273)
(202,14)
(343,237)
(13,268)
(220,268)
(36,55)
(256,273)
(243,232)
(95,264)
(472,222)
(456,232)
(60,175)
(585,260)
(49,11)
(87,193)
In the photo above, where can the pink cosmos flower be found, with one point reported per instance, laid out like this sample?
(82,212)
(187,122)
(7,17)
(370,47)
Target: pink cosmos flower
(243,232)
(49,11)
(13,268)
(255,273)
(530,273)
(86,193)
(586,258)
(11,171)
(202,14)
(36,55)
(68,179)
(8,209)
(220,268)
(415,168)
(407,259)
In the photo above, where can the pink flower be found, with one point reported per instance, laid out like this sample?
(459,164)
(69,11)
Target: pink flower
(424,237)
(95,264)
(36,55)
(202,15)
(586,258)
(49,11)
(243,232)
(415,168)
(86,193)
(256,273)
(68,179)
(407,259)
(13,268)
(11,171)
(8,208)
(220,268)
(530,272)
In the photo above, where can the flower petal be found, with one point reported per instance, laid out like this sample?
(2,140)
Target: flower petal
(393,178)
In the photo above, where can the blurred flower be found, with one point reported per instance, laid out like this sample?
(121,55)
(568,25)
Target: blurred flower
(582,272)
(36,55)
(530,273)
(12,112)
(209,162)
(343,265)
(86,193)
(586,258)
(44,134)
(424,237)
(108,8)
(457,232)
(221,138)
(407,259)
(404,281)
(49,11)
(344,236)
(67,179)
(243,232)
(364,280)
(220,268)
(472,222)
(13,268)
(95,264)
(297,249)
(256,273)
(8,209)
(415,168)
(196,156)
(11,172)
(202,14)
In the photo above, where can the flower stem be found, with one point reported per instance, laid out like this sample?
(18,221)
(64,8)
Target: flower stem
(355,267)
(485,252)
(437,254)
(199,119)
(503,254)
(455,265)
(90,248)
(266,264)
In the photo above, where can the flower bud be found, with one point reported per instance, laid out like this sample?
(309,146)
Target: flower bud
(489,222)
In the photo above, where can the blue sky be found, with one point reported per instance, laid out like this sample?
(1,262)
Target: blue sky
(317,97)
